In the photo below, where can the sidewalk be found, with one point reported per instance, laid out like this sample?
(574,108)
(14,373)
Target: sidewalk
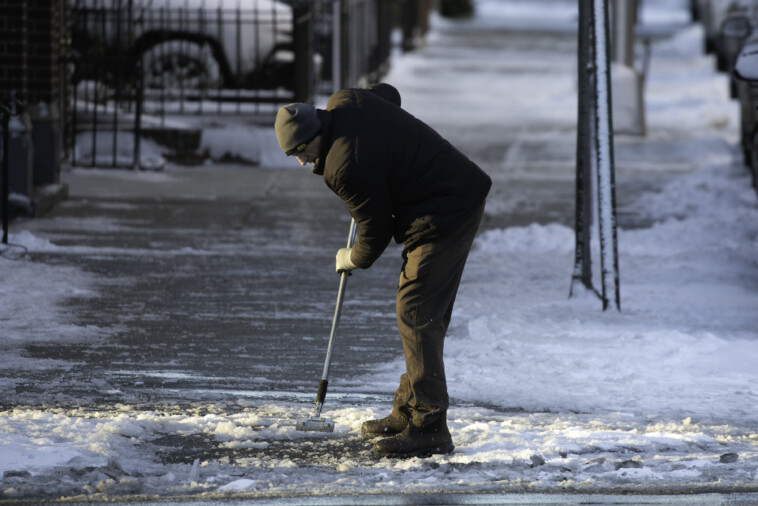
(168,328)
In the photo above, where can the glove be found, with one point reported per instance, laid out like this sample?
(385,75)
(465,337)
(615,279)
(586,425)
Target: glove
(343,261)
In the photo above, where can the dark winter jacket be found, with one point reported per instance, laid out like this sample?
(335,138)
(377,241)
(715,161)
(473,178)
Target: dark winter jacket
(397,175)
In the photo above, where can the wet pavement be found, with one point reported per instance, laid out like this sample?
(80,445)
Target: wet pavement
(219,279)
(227,293)
(215,294)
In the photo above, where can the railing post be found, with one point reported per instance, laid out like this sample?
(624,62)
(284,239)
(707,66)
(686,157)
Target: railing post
(336,45)
(409,10)
(139,98)
(6,116)
(595,144)
(606,186)
(584,154)
(384,31)
(302,20)
(346,43)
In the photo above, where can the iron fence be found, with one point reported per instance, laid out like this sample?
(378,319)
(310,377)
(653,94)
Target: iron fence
(355,38)
(140,66)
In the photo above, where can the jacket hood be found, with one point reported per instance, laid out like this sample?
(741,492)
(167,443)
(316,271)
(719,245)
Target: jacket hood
(387,92)
(326,141)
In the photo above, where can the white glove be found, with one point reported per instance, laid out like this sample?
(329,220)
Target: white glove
(343,260)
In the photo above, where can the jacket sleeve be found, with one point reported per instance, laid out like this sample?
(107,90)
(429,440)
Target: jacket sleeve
(368,199)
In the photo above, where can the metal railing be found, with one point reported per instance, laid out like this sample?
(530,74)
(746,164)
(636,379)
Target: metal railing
(141,65)
(359,33)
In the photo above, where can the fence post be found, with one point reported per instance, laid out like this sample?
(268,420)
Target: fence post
(302,20)
(583,217)
(347,69)
(139,99)
(64,56)
(409,13)
(384,36)
(6,114)
(606,185)
(336,45)
(595,145)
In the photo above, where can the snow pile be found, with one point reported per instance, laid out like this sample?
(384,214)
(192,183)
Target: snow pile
(256,451)
(30,296)
(256,145)
(537,239)
(684,342)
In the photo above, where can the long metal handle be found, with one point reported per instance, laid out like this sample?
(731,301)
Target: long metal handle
(322,385)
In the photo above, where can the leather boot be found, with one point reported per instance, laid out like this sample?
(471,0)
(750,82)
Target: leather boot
(416,441)
(387,426)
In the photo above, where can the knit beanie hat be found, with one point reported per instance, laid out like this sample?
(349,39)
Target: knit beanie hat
(296,125)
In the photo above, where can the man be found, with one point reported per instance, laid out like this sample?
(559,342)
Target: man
(398,178)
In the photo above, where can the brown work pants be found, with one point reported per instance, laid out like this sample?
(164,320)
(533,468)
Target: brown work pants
(425,296)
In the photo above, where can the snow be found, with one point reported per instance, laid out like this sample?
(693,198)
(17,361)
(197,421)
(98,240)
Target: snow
(656,397)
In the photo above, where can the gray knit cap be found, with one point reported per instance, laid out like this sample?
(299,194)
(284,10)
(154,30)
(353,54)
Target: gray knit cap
(296,125)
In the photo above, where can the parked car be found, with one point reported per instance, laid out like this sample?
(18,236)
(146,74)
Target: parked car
(711,14)
(192,44)
(736,26)
(746,73)
(735,29)
(724,25)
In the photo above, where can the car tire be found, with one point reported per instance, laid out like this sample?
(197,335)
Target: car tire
(181,64)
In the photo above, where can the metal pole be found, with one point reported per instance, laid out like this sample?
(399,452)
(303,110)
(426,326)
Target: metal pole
(322,385)
(6,113)
(63,60)
(336,46)
(139,104)
(302,39)
(624,21)
(604,154)
(583,217)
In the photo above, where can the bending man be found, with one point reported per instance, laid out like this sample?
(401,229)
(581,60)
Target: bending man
(398,178)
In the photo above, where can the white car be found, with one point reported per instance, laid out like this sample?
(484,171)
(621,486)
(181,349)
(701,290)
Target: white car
(746,72)
(192,44)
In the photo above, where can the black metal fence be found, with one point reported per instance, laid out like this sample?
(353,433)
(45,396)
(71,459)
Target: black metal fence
(362,29)
(142,65)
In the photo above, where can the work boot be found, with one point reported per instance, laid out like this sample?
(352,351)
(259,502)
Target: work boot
(416,441)
(387,426)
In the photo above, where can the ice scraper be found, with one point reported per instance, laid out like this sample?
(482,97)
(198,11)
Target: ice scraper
(316,423)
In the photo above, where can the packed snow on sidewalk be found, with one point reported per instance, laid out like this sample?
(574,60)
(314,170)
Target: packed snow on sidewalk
(548,393)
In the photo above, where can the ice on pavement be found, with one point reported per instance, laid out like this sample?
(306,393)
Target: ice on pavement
(548,393)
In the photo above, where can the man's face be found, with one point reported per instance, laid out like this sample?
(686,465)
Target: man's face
(310,153)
